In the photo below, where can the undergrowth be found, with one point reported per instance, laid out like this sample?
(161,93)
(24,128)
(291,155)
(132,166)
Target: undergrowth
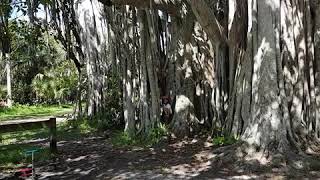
(14,145)
(122,139)
(14,155)
(224,140)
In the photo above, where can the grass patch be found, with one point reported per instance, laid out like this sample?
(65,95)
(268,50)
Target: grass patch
(23,135)
(13,156)
(80,126)
(122,139)
(25,111)
(13,145)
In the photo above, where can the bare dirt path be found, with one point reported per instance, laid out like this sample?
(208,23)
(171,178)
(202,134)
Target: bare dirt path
(96,158)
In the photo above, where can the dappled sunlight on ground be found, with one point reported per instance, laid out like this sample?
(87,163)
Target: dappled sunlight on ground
(97,158)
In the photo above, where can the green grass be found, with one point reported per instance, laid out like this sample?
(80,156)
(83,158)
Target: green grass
(24,111)
(13,156)
(13,145)
(122,139)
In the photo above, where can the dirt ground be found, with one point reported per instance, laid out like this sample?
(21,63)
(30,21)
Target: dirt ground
(95,158)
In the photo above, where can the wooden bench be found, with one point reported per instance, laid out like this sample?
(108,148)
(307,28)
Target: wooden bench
(20,125)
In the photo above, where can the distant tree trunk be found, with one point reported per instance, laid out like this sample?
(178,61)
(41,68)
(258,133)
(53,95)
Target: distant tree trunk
(31,11)
(5,46)
(8,70)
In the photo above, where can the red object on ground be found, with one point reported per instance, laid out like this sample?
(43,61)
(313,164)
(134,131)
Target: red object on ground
(26,172)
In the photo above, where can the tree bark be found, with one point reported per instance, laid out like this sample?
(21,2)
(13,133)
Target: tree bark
(315,6)
(208,21)
(128,74)
(144,107)
(200,8)
(185,121)
(265,129)
(8,70)
(151,65)
(94,41)
(166,5)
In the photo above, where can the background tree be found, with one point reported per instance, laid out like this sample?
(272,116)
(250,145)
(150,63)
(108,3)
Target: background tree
(5,12)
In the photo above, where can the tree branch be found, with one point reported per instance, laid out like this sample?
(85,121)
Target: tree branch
(200,8)
(208,21)
(170,6)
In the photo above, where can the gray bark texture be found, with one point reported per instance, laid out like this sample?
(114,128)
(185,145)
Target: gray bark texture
(152,68)
(144,107)
(8,71)
(248,69)
(266,127)
(93,36)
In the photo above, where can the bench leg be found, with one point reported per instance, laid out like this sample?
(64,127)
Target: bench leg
(53,136)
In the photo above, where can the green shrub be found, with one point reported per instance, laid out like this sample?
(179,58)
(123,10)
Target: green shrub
(157,134)
(84,126)
(123,139)
(112,117)
(223,140)
(57,84)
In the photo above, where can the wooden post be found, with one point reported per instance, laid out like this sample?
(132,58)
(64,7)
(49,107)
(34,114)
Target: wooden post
(53,136)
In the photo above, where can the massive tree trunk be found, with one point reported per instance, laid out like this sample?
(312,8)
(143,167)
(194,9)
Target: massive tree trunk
(315,8)
(283,89)
(266,128)
(194,77)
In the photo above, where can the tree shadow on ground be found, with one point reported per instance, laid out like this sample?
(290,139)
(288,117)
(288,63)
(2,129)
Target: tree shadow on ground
(96,158)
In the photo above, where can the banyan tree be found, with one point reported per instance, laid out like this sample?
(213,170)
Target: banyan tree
(242,68)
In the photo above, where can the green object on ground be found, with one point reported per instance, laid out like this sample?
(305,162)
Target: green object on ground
(29,152)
